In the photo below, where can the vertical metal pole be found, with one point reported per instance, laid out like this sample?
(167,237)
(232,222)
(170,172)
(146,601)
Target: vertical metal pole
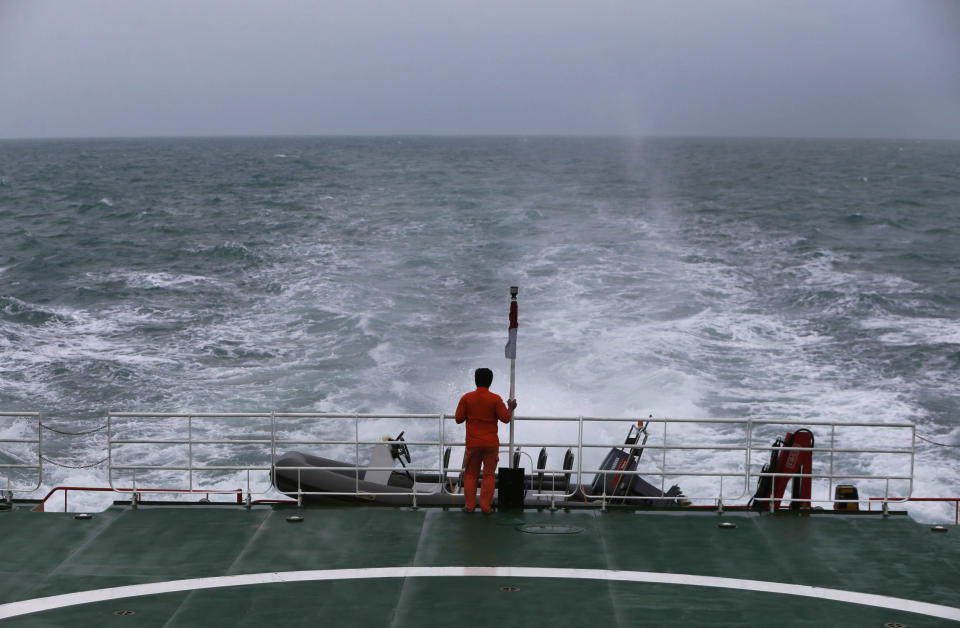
(513,377)
(442,473)
(663,463)
(273,448)
(580,454)
(913,455)
(40,449)
(356,454)
(833,445)
(110,449)
(190,451)
(746,479)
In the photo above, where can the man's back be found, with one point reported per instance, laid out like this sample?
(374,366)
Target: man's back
(481,409)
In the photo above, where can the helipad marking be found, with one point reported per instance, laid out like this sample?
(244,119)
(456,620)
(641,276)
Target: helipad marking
(36,605)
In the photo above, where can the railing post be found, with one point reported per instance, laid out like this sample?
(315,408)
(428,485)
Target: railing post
(746,464)
(190,452)
(833,432)
(40,448)
(663,464)
(441,471)
(913,455)
(580,452)
(356,454)
(720,498)
(110,449)
(886,496)
(273,448)
(773,481)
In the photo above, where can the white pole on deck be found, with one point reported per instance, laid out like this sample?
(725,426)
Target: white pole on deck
(511,352)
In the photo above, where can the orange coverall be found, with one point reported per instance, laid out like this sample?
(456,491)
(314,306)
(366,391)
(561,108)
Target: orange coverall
(481,409)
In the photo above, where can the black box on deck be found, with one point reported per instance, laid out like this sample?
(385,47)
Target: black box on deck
(510,487)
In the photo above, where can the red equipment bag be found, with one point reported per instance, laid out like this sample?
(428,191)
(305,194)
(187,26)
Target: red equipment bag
(797,463)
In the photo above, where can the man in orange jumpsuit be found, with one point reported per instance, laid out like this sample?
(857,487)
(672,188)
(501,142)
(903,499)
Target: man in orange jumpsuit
(481,409)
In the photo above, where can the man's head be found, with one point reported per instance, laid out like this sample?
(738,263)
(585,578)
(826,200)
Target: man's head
(483,377)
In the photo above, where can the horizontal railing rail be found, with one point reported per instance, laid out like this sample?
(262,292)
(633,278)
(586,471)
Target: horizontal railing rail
(670,452)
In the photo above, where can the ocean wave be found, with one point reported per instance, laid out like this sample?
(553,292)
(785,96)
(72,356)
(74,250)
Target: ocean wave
(16,311)
(148,280)
(230,252)
(678,285)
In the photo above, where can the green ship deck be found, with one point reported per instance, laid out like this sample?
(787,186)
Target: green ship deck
(223,565)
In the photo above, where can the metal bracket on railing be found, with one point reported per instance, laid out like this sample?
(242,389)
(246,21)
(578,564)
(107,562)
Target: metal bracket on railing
(134,500)
(8,497)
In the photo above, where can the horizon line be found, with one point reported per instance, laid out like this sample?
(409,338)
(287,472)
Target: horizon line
(478,136)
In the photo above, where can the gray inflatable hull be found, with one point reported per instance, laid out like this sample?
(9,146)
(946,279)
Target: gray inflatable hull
(344,483)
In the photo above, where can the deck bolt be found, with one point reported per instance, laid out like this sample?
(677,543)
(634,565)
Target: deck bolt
(83,515)
(939,528)
(294,519)
(727,524)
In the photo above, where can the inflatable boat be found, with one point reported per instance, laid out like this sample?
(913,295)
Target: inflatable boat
(313,479)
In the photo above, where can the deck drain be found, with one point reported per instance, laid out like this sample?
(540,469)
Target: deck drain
(124,612)
(894,624)
(509,589)
(294,518)
(939,528)
(549,528)
(83,515)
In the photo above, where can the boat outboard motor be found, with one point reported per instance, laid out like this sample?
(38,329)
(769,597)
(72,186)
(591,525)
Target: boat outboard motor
(616,486)
(618,460)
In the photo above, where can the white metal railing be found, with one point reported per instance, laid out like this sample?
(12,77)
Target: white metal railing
(147,448)
(23,434)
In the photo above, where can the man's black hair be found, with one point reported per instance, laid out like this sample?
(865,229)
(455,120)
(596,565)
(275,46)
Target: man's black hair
(483,377)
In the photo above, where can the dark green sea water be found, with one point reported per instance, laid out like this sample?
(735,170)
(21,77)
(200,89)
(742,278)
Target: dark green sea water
(767,278)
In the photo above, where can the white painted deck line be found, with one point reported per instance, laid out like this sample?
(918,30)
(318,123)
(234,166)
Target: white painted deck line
(36,605)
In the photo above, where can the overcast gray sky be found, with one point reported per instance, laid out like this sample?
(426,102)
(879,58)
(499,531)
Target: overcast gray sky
(818,68)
